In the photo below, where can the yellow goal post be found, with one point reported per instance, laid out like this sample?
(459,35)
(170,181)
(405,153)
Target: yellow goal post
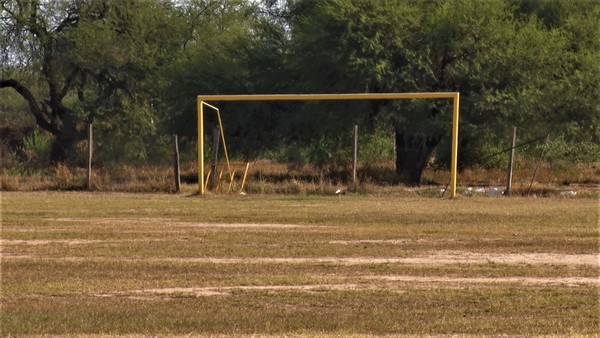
(454,96)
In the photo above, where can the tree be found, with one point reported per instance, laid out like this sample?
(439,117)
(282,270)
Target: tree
(509,67)
(381,46)
(234,47)
(95,60)
(573,94)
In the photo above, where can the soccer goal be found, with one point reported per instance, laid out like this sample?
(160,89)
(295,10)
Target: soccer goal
(454,96)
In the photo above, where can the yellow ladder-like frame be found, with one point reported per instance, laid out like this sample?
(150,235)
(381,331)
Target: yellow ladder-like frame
(230,172)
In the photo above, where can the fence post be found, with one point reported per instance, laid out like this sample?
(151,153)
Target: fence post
(511,156)
(90,145)
(176,169)
(355,154)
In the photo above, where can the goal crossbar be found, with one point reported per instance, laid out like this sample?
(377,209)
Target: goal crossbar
(454,96)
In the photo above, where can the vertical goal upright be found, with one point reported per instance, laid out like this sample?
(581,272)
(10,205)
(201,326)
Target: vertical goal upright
(454,96)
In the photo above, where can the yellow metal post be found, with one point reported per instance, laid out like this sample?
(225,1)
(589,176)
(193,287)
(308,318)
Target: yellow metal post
(222,137)
(244,178)
(454,160)
(200,147)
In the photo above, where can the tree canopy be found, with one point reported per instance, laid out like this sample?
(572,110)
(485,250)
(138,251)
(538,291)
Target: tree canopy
(93,61)
(135,67)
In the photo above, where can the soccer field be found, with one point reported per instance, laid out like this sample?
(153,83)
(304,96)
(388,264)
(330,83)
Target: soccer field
(157,264)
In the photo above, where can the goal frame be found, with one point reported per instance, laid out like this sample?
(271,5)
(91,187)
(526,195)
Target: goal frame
(454,96)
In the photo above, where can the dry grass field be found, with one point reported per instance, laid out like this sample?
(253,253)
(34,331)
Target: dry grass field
(75,263)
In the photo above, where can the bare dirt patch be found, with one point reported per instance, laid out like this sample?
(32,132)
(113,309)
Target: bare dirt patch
(388,241)
(48,241)
(401,241)
(432,259)
(403,283)
(173,222)
(573,281)
(227,290)
(109,220)
(447,257)
(245,225)
(35,242)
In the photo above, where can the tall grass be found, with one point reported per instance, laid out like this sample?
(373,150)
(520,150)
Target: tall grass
(266,177)
(142,164)
(112,178)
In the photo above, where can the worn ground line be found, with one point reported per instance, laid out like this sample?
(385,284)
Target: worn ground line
(434,258)
(406,283)
(173,222)
(490,280)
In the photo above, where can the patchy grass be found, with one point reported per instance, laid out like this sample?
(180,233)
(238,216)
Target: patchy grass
(138,264)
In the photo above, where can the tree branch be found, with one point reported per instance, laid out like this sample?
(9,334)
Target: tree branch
(68,22)
(68,82)
(35,109)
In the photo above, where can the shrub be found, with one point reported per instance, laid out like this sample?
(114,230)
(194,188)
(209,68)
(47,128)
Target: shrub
(376,147)
(574,151)
(36,147)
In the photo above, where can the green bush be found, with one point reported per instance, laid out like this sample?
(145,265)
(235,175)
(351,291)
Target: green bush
(560,148)
(111,148)
(330,151)
(376,146)
(36,146)
(476,148)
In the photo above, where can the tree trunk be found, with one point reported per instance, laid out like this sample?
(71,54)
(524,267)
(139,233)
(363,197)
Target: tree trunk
(412,155)
(65,141)
(65,137)
(62,148)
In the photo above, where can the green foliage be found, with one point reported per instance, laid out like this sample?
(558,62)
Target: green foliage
(376,146)
(96,62)
(330,151)
(561,148)
(12,107)
(36,147)
(324,152)
(212,61)
(510,68)
(134,68)
(293,153)
(125,148)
